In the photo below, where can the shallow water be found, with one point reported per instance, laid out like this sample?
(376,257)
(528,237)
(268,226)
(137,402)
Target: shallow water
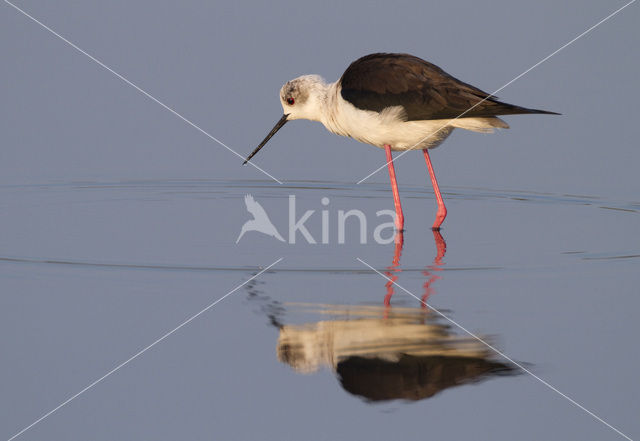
(320,346)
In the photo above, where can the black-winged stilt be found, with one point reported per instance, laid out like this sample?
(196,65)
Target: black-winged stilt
(397,102)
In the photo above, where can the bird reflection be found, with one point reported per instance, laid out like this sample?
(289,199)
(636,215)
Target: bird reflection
(386,353)
(381,354)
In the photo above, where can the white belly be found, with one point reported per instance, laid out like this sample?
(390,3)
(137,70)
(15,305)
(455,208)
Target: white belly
(389,128)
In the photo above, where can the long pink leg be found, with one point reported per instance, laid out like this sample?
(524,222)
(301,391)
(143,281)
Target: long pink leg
(442,210)
(394,189)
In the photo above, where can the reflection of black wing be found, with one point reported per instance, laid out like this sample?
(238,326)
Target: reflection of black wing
(414,377)
(377,81)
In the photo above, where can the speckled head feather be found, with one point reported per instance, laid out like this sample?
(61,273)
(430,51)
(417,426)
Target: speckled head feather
(295,89)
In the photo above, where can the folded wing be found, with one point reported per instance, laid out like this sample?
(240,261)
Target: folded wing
(422,89)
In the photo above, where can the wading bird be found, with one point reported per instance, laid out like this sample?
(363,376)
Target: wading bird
(397,102)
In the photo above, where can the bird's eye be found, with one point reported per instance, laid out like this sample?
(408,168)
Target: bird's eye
(290,101)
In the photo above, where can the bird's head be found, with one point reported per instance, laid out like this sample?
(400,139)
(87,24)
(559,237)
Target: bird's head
(301,98)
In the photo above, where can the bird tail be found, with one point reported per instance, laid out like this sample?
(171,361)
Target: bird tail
(500,108)
(544,112)
(482,125)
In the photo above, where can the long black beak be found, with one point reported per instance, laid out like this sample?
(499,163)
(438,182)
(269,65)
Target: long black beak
(273,131)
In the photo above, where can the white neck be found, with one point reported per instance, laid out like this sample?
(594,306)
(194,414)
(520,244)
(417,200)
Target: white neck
(330,116)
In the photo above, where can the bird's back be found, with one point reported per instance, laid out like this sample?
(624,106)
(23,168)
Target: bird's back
(425,91)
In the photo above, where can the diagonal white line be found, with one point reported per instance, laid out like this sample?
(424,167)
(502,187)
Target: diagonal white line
(142,351)
(503,355)
(139,89)
(386,164)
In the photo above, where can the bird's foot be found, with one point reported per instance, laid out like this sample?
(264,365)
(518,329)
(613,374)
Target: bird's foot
(440,216)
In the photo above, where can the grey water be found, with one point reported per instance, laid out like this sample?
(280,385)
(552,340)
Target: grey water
(119,222)
(94,272)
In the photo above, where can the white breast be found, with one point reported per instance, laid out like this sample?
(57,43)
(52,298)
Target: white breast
(380,128)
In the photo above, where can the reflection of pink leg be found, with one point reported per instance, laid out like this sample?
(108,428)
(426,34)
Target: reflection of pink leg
(390,290)
(394,189)
(441,246)
(442,210)
(397,252)
(441,249)
(427,289)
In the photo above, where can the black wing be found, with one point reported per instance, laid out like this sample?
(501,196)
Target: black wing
(377,81)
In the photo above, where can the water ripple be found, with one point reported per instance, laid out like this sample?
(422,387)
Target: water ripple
(213,188)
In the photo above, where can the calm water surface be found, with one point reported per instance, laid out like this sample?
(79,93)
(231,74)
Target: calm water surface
(320,346)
